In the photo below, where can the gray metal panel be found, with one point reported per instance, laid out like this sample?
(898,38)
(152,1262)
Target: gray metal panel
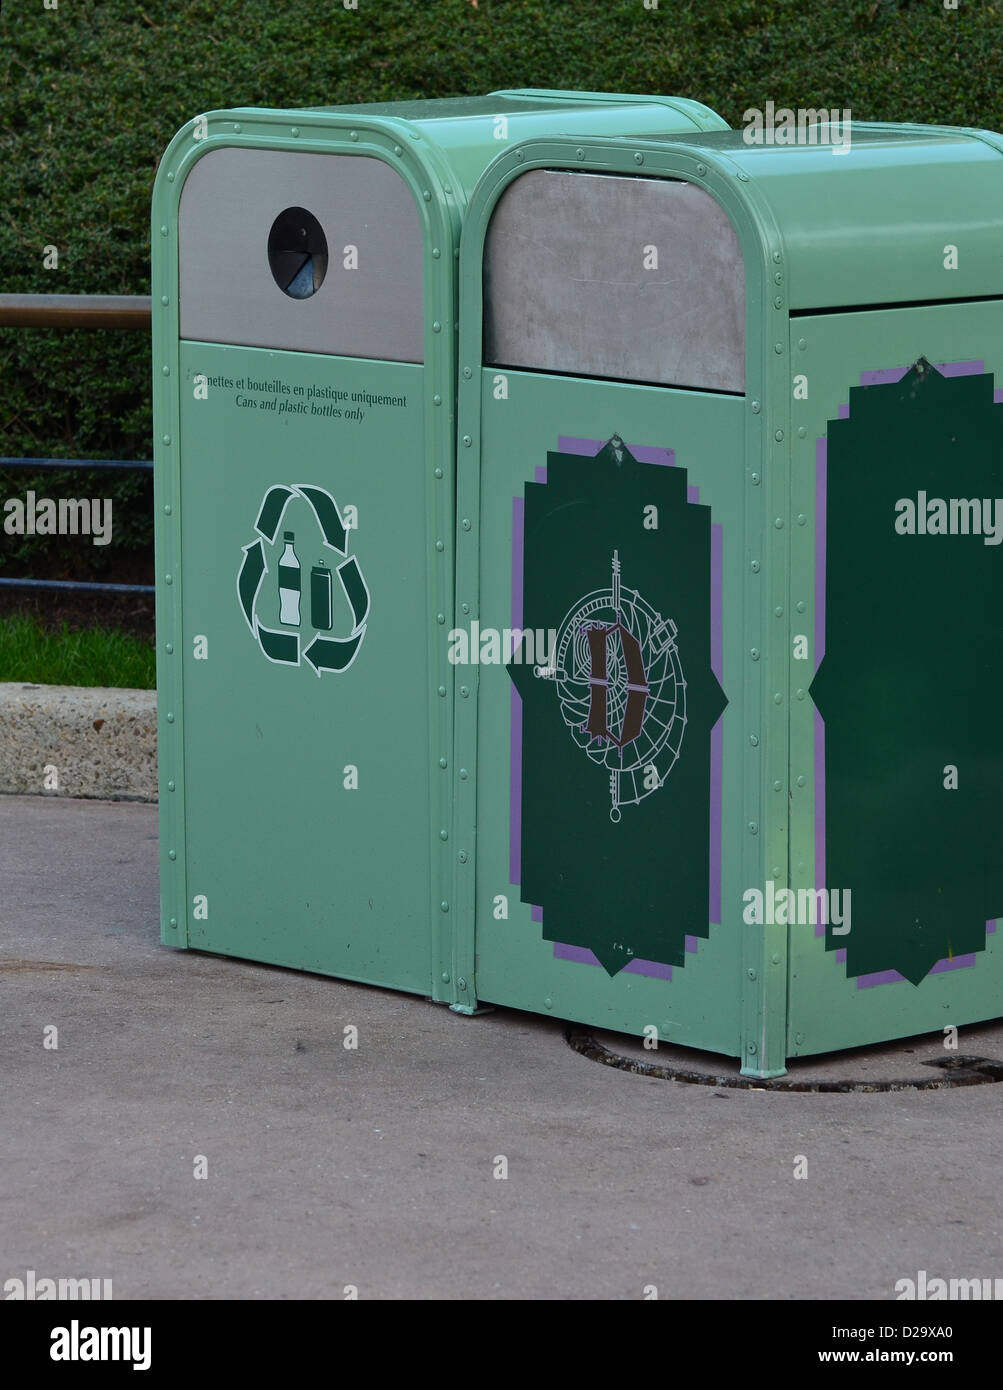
(566,288)
(226,290)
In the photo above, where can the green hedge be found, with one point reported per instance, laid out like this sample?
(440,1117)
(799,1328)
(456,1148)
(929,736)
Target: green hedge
(90,94)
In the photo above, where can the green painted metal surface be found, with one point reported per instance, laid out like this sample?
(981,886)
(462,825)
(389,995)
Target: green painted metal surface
(305,556)
(349,787)
(295,733)
(867,223)
(529,798)
(909,627)
(838,781)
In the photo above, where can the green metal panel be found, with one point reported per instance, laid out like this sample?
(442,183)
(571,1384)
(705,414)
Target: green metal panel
(464,821)
(868,223)
(305,770)
(910,629)
(554,513)
(266,852)
(725,989)
(294,864)
(914,635)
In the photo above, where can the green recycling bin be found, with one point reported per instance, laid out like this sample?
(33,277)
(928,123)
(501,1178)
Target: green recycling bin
(304,283)
(728,624)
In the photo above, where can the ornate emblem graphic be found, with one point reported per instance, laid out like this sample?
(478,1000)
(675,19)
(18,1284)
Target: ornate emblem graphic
(612,719)
(621,688)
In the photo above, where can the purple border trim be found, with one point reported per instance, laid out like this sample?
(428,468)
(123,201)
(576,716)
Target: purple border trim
(588,448)
(515,745)
(885,376)
(819,808)
(644,453)
(879,377)
(891,977)
(717,733)
(583,956)
(821,534)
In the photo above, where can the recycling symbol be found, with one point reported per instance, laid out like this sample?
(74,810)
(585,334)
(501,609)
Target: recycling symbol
(296,609)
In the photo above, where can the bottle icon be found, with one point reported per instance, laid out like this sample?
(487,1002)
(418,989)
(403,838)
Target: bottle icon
(290,583)
(321,605)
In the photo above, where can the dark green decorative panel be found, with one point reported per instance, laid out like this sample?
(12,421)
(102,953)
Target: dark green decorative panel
(910,681)
(616,723)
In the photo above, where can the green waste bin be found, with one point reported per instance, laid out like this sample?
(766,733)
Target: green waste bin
(728,631)
(304,284)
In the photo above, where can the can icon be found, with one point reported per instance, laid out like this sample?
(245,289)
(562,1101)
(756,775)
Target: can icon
(321,603)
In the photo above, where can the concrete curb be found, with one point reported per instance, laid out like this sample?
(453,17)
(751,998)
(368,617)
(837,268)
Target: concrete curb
(77,741)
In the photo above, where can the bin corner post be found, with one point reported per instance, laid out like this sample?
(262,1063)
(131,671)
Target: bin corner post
(166,479)
(766,620)
(764,1053)
(451,907)
(465,690)
(467,610)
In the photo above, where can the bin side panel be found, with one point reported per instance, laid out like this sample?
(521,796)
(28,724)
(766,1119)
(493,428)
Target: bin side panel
(608,866)
(305,661)
(897,755)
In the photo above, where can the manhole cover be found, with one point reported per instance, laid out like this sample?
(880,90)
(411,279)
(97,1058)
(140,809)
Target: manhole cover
(950,1069)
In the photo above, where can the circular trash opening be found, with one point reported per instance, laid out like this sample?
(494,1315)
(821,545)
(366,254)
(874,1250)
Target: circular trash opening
(297,253)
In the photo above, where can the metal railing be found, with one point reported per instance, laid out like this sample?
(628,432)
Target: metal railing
(75,311)
(122,312)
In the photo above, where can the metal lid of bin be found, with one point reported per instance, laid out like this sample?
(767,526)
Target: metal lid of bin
(467,132)
(510,101)
(871,222)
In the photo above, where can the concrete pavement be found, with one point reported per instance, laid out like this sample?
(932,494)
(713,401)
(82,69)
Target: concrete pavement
(375,1168)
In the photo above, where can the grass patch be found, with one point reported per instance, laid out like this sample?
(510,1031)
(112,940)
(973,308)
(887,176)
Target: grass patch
(93,656)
